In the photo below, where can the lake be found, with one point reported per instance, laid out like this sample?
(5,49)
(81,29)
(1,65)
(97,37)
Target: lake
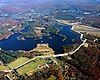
(54,42)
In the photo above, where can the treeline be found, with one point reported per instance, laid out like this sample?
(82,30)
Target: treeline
(54,31)
(24,35)
(27,24)
(49,30)
(9,56)
(88,59)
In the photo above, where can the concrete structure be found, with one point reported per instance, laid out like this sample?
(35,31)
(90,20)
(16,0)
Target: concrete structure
(86,45)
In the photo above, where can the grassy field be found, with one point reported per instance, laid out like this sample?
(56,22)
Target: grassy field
(18,62)
(31,66)
(2,67)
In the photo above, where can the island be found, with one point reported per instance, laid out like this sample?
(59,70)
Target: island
(37,31)
(49,40)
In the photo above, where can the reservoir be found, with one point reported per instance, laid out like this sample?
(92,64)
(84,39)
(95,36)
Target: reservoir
(54,42)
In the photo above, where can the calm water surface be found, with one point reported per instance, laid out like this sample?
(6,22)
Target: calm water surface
(56,42)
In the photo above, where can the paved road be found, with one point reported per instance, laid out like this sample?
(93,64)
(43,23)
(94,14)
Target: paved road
(58,55)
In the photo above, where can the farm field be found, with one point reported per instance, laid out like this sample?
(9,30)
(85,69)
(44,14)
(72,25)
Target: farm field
(31,66)
(2,67)
(18,62)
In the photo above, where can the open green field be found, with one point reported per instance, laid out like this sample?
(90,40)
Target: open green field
(18,62)
(31,66)
(2,67)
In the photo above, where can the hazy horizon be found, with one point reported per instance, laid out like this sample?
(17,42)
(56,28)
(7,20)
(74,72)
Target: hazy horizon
(34,1)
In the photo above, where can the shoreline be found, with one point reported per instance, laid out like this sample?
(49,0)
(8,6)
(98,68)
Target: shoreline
(72,27)
(81,35)
(77,27)
(11,35)
(63,37)
(6,37)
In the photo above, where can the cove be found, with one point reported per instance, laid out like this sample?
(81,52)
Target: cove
(55,42)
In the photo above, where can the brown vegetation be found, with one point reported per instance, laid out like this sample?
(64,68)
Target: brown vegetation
(88,58)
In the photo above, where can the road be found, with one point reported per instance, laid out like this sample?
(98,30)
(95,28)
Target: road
(58,55)
(25,63)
